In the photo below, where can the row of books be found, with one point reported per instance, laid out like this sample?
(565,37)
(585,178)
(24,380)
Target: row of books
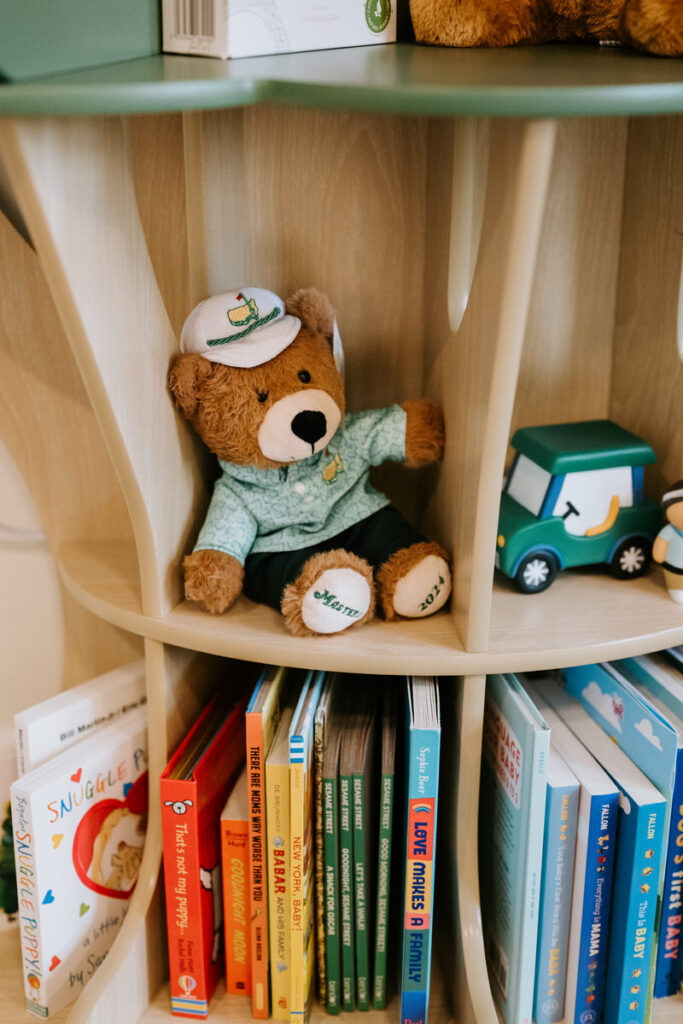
(286,785)
(77,825)
(581,840)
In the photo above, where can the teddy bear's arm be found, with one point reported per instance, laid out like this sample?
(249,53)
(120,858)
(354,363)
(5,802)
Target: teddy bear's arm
(213,578)
(425,432)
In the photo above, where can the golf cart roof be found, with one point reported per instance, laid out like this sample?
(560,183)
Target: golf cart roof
(573,447)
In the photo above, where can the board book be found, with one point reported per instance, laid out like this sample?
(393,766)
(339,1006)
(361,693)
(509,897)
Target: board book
(594,859)
(301,829)
(330,771)
(53,725)
(320,727)
(79,830)
(642,811)
(423,742)
(235,871)
(193,789)
(384,831)
(262,719)
(278,865)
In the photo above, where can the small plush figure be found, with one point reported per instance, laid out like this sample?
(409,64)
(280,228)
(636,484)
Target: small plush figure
(652,25)
(293,519)
(668,546)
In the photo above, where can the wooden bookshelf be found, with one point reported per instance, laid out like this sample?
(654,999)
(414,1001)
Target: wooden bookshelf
(498,230)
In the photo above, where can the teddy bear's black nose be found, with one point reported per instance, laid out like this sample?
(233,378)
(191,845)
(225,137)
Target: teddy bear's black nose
(309,426)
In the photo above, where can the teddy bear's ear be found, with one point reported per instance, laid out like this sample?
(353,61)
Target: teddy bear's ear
(313,309)
(185,379)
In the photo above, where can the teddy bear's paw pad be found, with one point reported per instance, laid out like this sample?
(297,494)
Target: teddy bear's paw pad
(424,589)
(337,599)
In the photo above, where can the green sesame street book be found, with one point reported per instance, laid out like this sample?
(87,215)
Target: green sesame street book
(79,824)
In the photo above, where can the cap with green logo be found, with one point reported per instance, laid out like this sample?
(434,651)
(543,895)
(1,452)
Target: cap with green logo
(245,327)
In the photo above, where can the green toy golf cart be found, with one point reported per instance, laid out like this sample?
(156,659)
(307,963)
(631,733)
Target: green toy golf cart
(575,496)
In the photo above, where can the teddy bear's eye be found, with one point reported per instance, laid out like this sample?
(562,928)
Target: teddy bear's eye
(261,395)
(304,376)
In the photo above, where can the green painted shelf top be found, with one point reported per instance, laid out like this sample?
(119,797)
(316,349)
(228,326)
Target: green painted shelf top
(547,81)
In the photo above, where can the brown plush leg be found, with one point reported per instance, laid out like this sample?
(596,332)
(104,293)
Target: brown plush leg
(422,570)
(333,592)
(654,25)
(478,22)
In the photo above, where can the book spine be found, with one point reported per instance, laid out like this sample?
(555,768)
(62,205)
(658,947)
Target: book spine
(258,899)
(629,973)
(423,768)
(589,981)
(383,891)
(180,843)
(556,886)
(348,942)
(361,891)
(669,965)
(297,826)
(277,817)
(29,903)
(235,864)
(332,885)
(318,751)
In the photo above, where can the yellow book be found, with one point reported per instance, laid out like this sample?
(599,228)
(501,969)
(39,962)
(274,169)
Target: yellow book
(302,896)
(277,845)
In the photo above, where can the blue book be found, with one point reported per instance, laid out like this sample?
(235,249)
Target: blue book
(663,686)
(608,693)
(422,775)
(593,869)
(557,874)
(642,812)
(511,823)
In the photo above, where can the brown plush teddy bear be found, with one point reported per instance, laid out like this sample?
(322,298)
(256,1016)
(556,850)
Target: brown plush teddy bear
(652,25)
(293,519)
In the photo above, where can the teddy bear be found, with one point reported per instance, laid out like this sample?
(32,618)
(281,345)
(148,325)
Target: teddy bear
(652,25)
(293,520)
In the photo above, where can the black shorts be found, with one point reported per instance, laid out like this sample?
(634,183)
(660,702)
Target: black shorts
(375,539)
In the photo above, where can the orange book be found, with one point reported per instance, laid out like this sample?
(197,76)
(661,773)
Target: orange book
(262,719)
(193,789)
(235,863)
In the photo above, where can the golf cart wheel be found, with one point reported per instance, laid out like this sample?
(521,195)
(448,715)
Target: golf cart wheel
(536,572)
(632,558)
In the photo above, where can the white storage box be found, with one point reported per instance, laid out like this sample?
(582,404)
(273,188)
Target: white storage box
(247,28)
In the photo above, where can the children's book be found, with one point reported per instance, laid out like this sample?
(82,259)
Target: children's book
(423,742)
(51,726)
(675,655)
(322,715)
(235,869)
(642,812)
(79,830)
(557,875)
(516,745)
(593,869)
(346,902)
(262,719)
(651,676)
(384,836)
(608,694)
(333,737)
(279,865)
(364,798)
(193,789)
(301,825)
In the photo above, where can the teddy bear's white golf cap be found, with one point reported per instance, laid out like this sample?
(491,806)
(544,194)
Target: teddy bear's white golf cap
(245,327)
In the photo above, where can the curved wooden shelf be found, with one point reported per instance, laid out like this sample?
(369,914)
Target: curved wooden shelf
(403,78)
(613,619)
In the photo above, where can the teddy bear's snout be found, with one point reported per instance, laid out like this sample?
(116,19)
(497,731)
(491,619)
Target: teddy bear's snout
(309,426)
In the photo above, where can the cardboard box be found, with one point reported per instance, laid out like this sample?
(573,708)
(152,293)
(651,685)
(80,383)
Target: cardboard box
(248,28)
